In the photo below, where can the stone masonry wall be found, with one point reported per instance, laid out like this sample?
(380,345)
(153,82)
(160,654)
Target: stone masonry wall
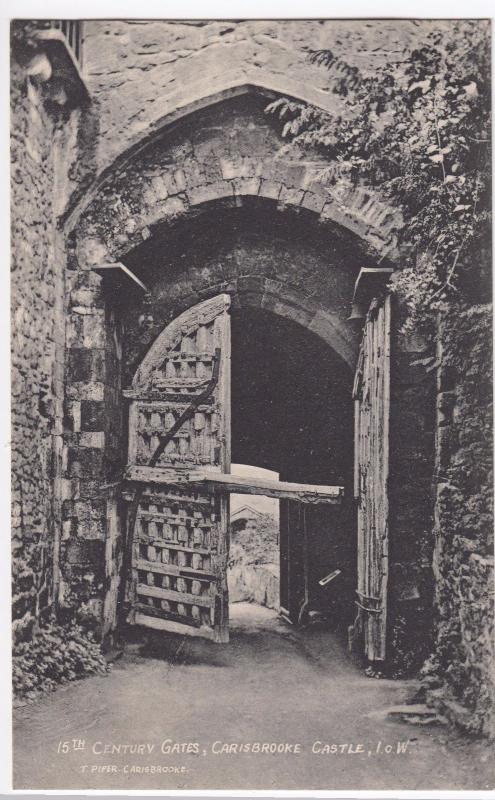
(140,72)
(94,453)
(226,152)
(39,163)
(460,675)
(254,571)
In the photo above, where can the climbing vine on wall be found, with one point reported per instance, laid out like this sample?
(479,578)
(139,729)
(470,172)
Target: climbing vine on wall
(417,131)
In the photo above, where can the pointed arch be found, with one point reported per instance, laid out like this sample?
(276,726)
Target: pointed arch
(359,209)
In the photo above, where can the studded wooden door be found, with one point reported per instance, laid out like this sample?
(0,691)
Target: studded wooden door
(372,412)
(178,577)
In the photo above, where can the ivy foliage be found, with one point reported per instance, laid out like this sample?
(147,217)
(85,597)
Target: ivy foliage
(418,132)
(56,654)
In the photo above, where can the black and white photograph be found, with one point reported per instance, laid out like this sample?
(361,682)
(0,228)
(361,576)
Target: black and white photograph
(251,403)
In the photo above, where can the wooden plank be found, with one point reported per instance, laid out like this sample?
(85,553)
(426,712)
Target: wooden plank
(222,340)
(133,432)
(357,435)
(174,569)
(170,616)
(167,476)
(370,365)
(162,497)
(173,627)
(374,475)
(169,545)
(295,491)
(387,312)
(304,492)
(206,601)
(173,519)
(182,360)
(179,357)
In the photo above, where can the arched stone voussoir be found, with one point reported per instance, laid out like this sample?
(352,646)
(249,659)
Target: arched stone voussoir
(201,95)
(363,216)
(327,325)
(287,301)
(225,156)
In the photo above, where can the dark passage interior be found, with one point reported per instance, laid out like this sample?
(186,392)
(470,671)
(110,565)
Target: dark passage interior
(292,413)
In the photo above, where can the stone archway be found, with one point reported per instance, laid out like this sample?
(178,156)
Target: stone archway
(171,214)
(218,147)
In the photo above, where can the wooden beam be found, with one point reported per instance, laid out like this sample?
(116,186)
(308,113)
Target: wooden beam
(204,600)
(304,492)
(174,569)
(172,627)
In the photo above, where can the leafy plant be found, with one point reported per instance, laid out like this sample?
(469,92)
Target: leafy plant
(55,654)
(418,132)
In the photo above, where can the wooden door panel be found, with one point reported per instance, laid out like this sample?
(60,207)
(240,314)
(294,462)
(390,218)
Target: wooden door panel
(372,412)
(180,538)
(196,443)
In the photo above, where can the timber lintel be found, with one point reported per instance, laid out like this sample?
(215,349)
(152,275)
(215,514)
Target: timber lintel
(304,492)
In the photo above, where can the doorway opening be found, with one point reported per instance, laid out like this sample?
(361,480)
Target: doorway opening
(292,414)
(253,573)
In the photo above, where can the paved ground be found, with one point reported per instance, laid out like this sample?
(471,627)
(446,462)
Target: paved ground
(270,685)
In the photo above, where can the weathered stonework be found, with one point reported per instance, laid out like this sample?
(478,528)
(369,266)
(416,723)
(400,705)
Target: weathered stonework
(174,170)
(40,157)
(225,153)
(461,672)
(142,76)
(90,547)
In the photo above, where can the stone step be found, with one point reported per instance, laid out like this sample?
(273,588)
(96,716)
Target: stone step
(413,713)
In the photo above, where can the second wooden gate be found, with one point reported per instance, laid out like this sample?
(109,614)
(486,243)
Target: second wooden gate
(371,462)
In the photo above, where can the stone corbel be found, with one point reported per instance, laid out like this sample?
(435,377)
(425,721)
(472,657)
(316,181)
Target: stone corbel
(370,283)
(55,68)
(118,276)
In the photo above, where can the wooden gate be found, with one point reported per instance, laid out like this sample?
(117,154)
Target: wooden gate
(372,413)
(179,532)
